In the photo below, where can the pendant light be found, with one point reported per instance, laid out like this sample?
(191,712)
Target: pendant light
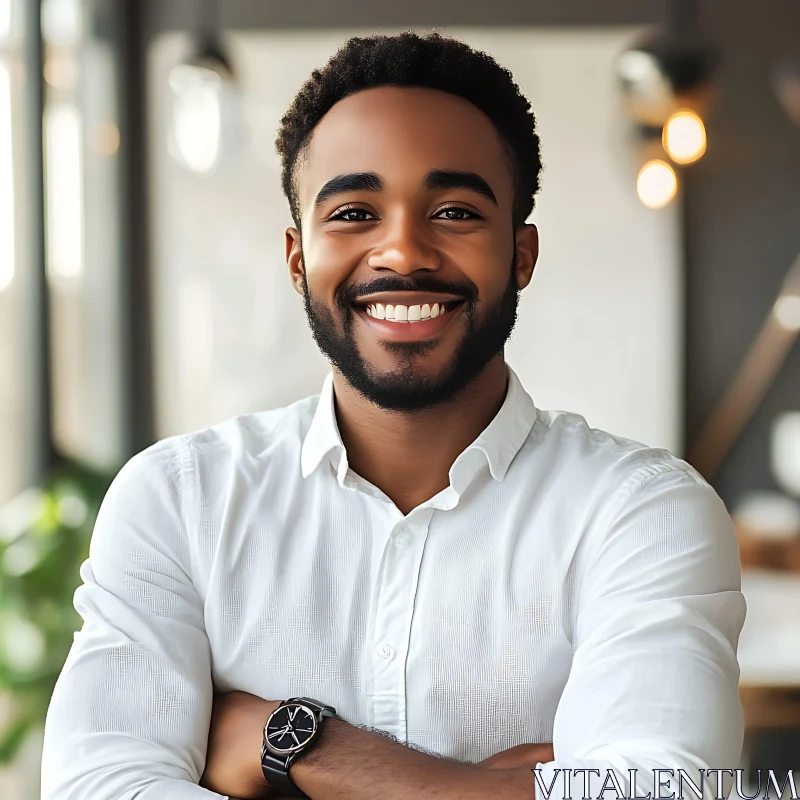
(204,100)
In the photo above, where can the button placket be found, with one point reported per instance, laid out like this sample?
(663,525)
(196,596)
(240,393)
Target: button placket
(393,617)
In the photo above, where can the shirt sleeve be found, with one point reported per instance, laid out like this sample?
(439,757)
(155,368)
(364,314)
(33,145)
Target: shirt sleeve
(654,679)
(130,713)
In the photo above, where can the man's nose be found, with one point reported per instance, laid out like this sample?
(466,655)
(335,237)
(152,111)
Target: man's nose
(407,248)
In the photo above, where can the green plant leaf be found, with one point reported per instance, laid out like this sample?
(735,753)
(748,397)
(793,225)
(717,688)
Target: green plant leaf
(54,524)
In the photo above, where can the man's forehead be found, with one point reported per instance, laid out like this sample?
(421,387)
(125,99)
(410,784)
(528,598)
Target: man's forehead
(402,134)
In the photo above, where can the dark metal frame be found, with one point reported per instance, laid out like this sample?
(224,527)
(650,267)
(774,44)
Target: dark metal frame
(138,384)
(127,30)
(46,455)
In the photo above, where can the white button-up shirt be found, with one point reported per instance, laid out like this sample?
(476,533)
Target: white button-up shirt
(568,586)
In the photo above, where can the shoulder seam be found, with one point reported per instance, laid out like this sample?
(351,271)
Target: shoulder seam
(640,477)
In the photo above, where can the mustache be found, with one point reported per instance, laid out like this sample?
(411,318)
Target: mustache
(345,295)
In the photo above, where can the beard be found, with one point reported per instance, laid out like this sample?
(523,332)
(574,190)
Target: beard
(405,388)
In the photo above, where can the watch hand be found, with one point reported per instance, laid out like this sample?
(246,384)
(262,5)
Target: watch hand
(293,714)
(297,741)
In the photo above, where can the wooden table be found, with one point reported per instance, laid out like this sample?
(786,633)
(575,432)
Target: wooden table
(761,552)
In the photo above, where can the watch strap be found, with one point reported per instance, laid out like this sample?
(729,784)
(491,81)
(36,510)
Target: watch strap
(319,708)
(276,774)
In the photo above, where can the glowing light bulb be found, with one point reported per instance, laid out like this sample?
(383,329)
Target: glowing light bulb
(196,117)
(684,137)
(787,311)
(657,183)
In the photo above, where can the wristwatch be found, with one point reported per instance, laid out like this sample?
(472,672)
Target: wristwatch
(292,729)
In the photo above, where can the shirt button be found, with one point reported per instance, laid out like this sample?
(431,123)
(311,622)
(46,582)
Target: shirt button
(384,651)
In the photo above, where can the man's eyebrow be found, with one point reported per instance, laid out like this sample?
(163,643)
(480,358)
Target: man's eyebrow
(456,179)
(352,182)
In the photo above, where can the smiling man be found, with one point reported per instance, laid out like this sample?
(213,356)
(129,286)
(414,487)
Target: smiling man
(415,583)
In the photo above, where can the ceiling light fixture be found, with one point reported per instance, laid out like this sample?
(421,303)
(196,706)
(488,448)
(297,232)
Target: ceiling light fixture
(204,100)
(665,80)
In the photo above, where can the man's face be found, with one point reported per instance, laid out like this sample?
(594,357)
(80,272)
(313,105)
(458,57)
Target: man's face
(406,198)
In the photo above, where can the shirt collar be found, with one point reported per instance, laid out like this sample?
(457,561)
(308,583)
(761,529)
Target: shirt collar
(496,446)
(323,438)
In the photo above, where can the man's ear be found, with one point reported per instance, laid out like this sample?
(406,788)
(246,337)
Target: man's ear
(527,244)
(294,258)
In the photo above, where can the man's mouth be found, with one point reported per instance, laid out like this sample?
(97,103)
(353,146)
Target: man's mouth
(398,322)
(400,313)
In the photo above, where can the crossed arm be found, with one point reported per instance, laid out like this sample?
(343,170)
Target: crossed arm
(653,682)
(355,763)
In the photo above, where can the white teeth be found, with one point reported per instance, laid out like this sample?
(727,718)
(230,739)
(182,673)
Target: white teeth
(404,314)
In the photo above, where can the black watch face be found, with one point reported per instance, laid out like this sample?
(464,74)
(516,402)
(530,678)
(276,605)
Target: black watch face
(290,728)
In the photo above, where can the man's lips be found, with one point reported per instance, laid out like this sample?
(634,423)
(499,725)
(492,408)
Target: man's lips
(408,331)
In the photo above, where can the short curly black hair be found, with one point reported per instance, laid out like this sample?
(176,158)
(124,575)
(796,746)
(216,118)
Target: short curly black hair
(408,59)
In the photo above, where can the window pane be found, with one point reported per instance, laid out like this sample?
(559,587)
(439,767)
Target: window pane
(83,245)
(17,369)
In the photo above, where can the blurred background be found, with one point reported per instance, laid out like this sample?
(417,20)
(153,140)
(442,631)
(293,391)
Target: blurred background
(144,293)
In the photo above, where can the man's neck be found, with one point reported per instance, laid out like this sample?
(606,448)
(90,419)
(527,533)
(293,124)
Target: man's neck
(408,456)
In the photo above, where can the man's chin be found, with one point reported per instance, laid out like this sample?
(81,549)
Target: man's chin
(396,389)
(403,368)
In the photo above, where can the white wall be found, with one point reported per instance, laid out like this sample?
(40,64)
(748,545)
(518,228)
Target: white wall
(599,329)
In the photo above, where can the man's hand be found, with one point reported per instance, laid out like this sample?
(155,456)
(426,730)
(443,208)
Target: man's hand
(233,761)
(523,755)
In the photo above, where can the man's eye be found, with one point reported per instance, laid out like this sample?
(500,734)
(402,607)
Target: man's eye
(456,214)
(353,215)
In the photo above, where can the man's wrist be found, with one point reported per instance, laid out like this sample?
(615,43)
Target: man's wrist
(236,734)
(265,711)
(307,764)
